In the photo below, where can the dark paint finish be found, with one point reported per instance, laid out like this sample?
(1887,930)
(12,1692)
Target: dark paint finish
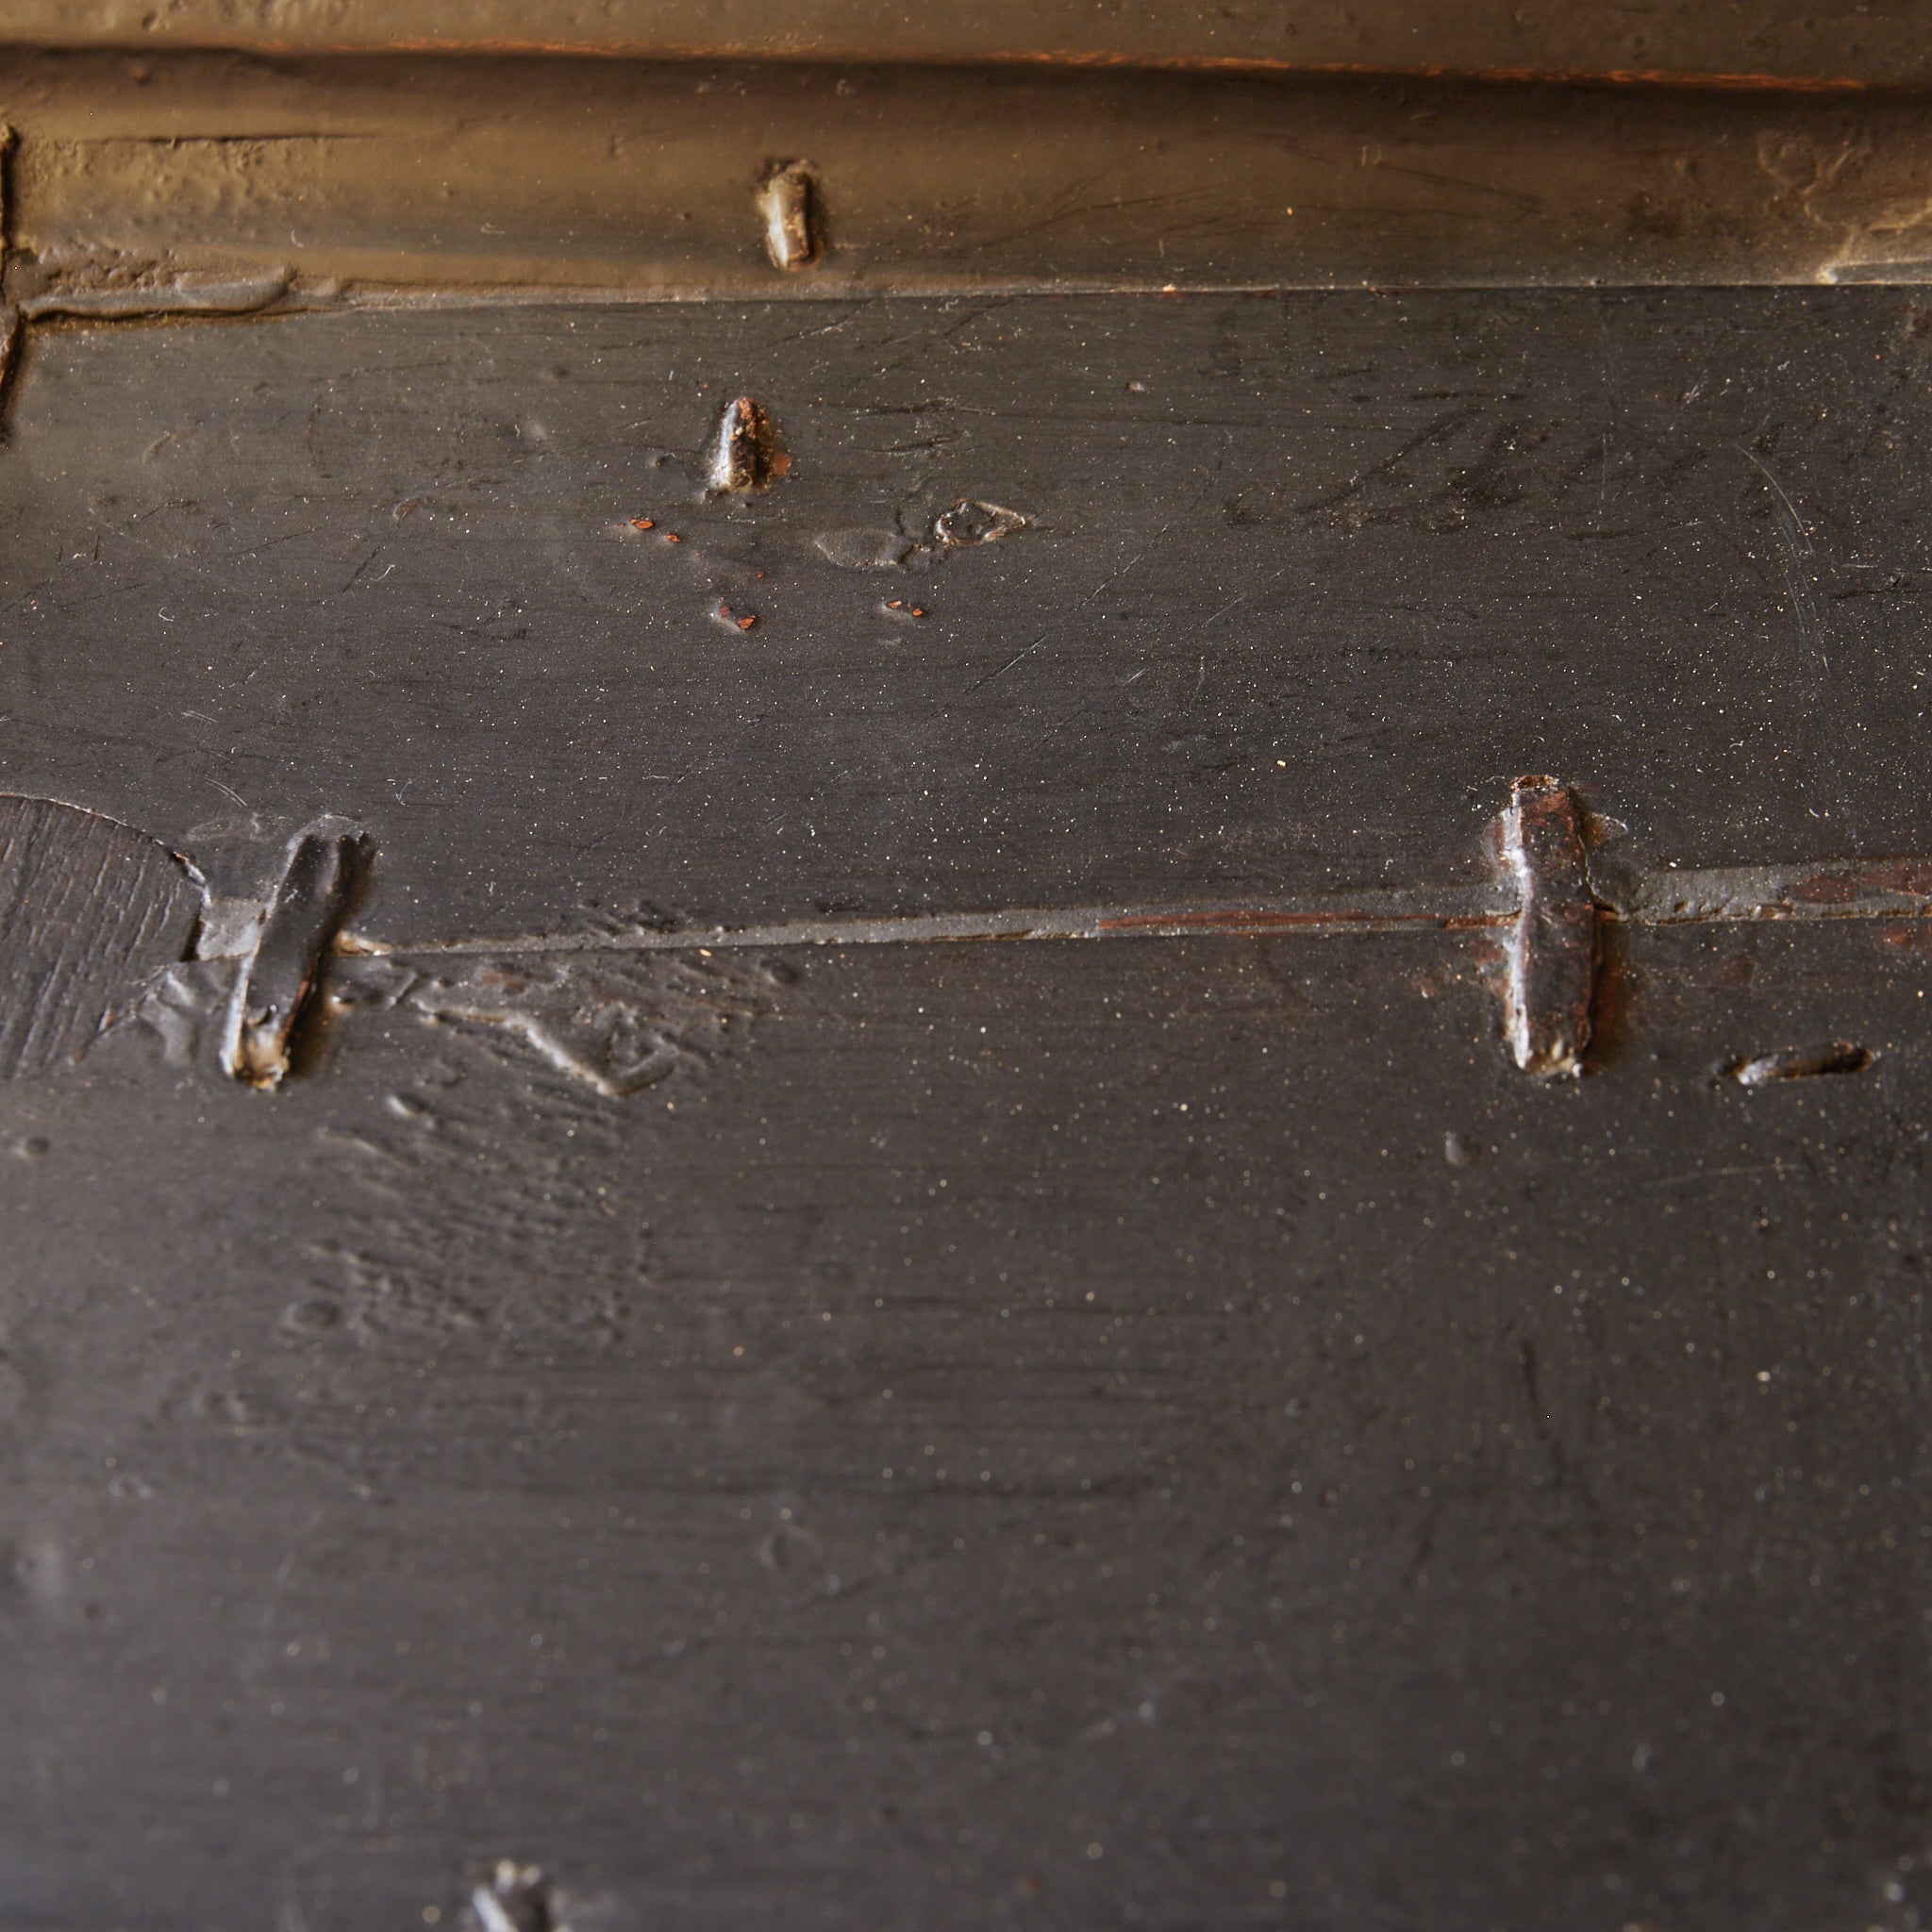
(1030,1399)
(1464,1500)
(1289,615)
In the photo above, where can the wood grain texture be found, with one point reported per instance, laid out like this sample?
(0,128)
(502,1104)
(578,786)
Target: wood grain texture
(88,908)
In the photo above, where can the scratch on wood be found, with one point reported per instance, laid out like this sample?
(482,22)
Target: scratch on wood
(1849,889)
(618,1024)
(1551,957)
(276,980)
(1802,1063)
(1374,910)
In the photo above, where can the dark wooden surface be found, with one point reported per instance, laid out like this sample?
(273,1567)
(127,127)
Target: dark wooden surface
(1305,582)
(1167,1433)
(1029,1399)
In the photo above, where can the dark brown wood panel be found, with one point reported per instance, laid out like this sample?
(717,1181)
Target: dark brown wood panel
(1163,1432)
(1304,582)
(1060,1436)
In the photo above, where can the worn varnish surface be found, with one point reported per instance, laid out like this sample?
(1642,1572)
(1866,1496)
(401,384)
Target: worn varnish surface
(1464,1500)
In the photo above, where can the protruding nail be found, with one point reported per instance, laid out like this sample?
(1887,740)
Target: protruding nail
(276,979)
(1551,951)
(514,1900)
(787,200)
(747,452)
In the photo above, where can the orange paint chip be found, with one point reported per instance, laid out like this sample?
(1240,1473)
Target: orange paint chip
(644,522)
(672,537)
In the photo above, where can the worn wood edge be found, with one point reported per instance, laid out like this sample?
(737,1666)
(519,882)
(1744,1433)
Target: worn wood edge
(189,185)
(90,907)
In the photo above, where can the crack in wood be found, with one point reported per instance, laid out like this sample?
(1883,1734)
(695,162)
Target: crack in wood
(97,920)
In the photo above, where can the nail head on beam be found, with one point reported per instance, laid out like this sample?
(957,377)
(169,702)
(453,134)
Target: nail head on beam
(787,200)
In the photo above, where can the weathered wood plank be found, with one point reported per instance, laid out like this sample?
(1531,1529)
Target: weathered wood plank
(450,1456)
(1193,1399)
(1304,583)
